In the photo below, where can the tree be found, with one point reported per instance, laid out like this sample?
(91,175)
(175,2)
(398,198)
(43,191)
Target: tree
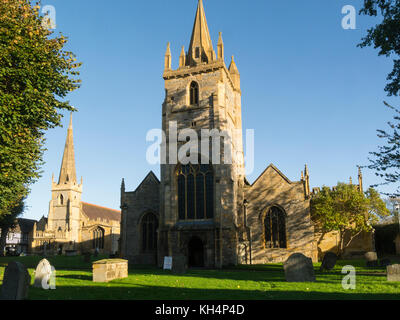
(347,210)
(385,36)
(8,221)
(386,161)
(36,74)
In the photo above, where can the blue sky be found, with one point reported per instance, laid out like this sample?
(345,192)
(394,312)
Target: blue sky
(308,92)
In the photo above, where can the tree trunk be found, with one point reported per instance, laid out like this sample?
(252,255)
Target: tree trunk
(3,239)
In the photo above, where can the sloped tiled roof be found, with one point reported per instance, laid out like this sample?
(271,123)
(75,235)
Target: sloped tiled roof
(93,212)
(26,225)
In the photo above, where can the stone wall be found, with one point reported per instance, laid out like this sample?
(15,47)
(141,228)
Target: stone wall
(145,199)
(272,188)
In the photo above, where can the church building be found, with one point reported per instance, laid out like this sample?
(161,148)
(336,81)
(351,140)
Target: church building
(209,212)
(73,226)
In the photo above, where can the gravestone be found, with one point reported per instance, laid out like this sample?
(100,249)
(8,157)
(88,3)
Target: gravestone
(42,273)
(299,268)
(371,259)
(329,261)
(16,282)
(87,257)
(393,272)
(179,264)
(385,262)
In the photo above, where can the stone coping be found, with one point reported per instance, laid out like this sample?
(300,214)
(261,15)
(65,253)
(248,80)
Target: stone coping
(109,261)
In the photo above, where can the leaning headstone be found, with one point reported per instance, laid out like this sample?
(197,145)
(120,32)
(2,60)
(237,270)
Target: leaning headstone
(393,272)
(16,282)
(385,262)
(179,264)
(299,268)
(329,261)
(371,259)
(42,273)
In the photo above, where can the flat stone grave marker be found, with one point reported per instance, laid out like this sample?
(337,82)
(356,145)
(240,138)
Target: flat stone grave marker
(42,273)
(371,259)
(16,282)
(179,264)
(329,261)
(299,268)
(393,272)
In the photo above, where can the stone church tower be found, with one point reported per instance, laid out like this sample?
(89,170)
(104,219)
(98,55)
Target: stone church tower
(203,93)
(73,226)
(64,207)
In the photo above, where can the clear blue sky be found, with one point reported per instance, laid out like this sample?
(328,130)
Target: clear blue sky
(308,92)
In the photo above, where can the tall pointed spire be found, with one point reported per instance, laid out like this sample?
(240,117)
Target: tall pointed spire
(200,48)
(220,54)
(68,171)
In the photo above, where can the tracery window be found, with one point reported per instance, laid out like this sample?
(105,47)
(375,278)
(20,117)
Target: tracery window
(275,228)
(194,93)
(195,192)
(98,238)
(149,232)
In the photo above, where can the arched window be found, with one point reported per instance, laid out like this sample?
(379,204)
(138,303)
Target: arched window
(98,238)
(61,199)
(149,232)
(195,192)
(275,228)
(194,93)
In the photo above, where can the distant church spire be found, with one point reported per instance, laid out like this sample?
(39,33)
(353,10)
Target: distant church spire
(68,170)
(200,48)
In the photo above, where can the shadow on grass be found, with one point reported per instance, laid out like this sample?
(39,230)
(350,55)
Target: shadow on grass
(143,292)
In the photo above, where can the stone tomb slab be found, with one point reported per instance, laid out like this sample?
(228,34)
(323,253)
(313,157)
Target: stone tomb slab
(109,269)
(16,282)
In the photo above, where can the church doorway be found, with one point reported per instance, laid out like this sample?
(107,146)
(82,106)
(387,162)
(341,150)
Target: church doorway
(196,252)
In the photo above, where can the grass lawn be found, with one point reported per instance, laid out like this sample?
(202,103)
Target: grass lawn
(257,282)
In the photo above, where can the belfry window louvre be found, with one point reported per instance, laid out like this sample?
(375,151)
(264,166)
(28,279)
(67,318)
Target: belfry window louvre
(195,192)
(194,93)
(275,228)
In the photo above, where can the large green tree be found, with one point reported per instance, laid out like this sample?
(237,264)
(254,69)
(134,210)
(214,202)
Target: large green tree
(385,36)
(36,74)
(347,210)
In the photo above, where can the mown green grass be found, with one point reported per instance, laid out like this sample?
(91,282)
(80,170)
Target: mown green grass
(74,281)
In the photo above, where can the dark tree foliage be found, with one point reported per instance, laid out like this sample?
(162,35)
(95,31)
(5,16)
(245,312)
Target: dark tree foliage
(36,74)
(385,36)
(386,161)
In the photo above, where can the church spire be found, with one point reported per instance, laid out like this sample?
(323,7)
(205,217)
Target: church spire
(68,171)
(200,48)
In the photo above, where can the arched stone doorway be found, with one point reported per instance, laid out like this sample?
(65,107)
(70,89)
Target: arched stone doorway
(196,252)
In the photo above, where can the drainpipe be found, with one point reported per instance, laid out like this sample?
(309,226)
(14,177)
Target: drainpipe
(248,229)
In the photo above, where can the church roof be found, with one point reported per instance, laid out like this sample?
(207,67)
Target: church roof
(25,225)
(93,212)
